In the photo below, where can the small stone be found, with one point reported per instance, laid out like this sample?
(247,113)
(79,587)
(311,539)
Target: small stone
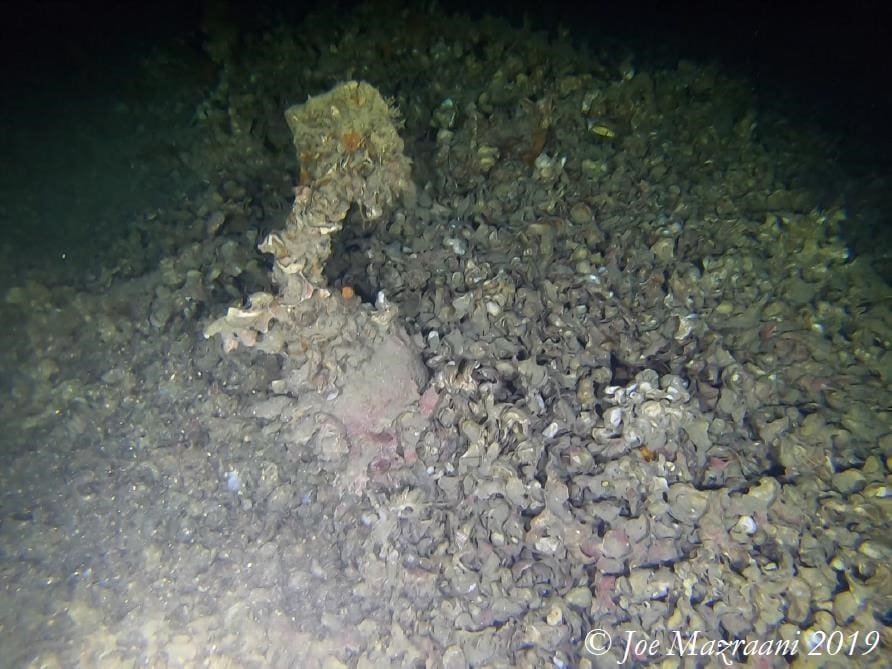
(555,616)
(214,222)
(615,544)
(181,649)
(551,430)
(877,490)
(686,503)
(845,607)
(585,391)
(848,481)
(548,545)
(873,549)
(664,249)
(762,496)
(746,525)
(698,432)
(583,267)
(581,213)
(799,601)
(462,304)
(872,466)
(454,658)
(613,417)
(580,597)
(819,582)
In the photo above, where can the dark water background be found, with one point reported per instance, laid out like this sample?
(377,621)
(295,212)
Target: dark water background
(87,141)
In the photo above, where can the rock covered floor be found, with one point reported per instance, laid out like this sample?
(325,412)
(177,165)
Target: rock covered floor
(659,395)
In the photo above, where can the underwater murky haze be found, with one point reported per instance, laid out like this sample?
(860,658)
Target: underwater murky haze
(567,327)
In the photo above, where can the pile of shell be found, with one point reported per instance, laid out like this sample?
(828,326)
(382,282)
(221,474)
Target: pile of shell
(659,393)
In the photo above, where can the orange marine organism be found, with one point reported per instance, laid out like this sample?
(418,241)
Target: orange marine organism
(352,141)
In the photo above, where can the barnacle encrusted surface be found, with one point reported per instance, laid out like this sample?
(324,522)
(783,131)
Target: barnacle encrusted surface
(350,154)
(352,131)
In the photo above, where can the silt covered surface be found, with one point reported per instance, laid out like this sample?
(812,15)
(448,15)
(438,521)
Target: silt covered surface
(552,339)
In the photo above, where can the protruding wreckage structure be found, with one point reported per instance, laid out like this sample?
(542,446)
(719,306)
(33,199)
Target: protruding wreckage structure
(353,373)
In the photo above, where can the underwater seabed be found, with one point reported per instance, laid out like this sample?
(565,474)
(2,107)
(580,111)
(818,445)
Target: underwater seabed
(539,358)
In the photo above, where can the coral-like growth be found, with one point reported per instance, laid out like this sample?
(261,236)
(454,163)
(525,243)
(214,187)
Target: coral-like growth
(353,358)
(350,153)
